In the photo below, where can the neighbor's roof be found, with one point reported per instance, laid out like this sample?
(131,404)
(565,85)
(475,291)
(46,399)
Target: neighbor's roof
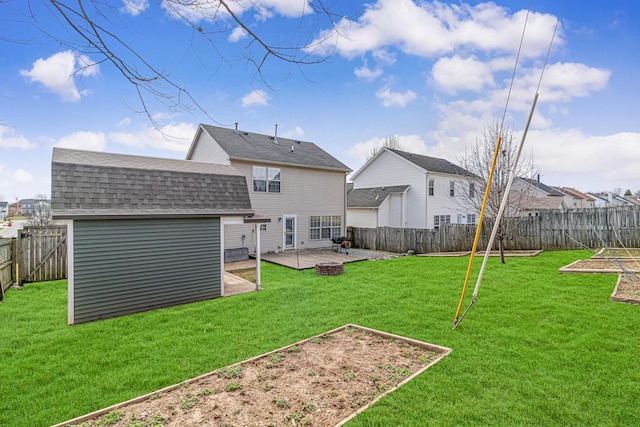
(87,184)
(432,164)
(543,187)
(372,197)
(242,145)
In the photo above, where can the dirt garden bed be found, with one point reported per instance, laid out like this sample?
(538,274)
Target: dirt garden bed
(322,381)
(602,265)
(619,253)
(614,261)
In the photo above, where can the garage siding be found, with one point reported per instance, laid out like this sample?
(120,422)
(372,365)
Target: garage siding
(128,266)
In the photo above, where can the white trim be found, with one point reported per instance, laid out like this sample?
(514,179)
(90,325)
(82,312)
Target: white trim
(70,273)
(258,281)
(284,231)
(222,224)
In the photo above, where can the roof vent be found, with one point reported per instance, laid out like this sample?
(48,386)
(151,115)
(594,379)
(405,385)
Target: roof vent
(275,138)
(246,133)
(236,131)
(293,149)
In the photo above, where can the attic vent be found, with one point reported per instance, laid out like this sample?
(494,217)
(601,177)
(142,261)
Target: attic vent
(246,133)
(292,149)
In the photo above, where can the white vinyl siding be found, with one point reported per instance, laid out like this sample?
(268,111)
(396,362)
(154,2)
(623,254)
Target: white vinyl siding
(390,169)
(304,192)
(207,150)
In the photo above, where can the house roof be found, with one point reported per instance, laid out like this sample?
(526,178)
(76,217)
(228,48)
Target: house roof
(372,197)
(242,145)
(432,164)
(543,187)
(575,193)
(87,184)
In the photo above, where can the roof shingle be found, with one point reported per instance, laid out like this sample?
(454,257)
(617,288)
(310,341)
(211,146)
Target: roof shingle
(94,184)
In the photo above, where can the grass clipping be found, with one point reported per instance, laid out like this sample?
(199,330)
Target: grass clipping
(322,381)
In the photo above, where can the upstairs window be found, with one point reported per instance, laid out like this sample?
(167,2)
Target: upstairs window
(431,187)
(472,190)
(452,186)
(266,180)
(438,220)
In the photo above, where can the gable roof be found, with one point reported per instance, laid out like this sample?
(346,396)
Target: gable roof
(542,187)
(432,164)
(576,194)
(249,146)
(87,184)
(372,197)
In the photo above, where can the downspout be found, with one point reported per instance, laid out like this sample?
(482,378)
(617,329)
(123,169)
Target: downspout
(344,213)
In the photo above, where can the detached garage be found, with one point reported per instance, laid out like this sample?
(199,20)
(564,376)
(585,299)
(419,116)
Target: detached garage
(143,233)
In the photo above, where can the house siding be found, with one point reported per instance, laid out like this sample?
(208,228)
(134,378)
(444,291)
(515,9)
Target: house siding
(364,218)
(303,192)
(128,266)
(391,169)
(441,203)
(208,150)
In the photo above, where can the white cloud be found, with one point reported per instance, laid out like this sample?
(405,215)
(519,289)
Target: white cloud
(124,122)
(175,137)
(367,74)
(257,97)
(9,139)
(207,10)
(135,7)
(395,99)
(21,176)
(238,33)
(57,73)
(452,74)
(295,133)
(431,28)
(92,141)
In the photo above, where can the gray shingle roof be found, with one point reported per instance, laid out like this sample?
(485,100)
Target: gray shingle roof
(105,185)
(241,145)
(433,164)
(550,191)
(372,197)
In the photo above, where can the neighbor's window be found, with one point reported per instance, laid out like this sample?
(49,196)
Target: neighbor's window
(472,190)
(325,226)
(452,191)
(471,218)
(431,187)
(266,180)
(438,220)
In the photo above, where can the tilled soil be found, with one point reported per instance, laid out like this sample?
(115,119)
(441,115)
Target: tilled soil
(317,382)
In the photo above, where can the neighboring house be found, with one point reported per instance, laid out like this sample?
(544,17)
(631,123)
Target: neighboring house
(575,199)
(529,196)
(296,184)
(600,200)
(435,191)
(26,207)
(143,233)
(377,206)
(4,210)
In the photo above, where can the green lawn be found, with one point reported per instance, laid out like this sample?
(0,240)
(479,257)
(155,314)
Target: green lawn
(539,348)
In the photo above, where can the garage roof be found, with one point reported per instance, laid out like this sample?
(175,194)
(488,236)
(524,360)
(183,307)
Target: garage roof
(87,184)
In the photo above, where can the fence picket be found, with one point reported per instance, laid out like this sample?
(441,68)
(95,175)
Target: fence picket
(550,230)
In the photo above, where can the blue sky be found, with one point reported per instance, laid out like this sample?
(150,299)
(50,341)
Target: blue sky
(433,73)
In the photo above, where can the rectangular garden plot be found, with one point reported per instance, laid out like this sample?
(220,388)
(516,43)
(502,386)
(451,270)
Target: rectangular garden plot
(601,265)
(627,289)
(619,253)
(321,381)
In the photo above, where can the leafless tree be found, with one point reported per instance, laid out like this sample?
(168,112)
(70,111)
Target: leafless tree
(41,210)
(391,141)
(95,28)
(478,161)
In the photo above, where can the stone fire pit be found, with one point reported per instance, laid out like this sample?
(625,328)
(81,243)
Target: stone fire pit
(329,268)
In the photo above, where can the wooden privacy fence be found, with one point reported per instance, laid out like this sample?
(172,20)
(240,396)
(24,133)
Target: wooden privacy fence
(550,230)
(6,265)
(42,253)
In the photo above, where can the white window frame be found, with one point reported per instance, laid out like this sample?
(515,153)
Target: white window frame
(271,179)
(438,220)
(323,227)
(431,185)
